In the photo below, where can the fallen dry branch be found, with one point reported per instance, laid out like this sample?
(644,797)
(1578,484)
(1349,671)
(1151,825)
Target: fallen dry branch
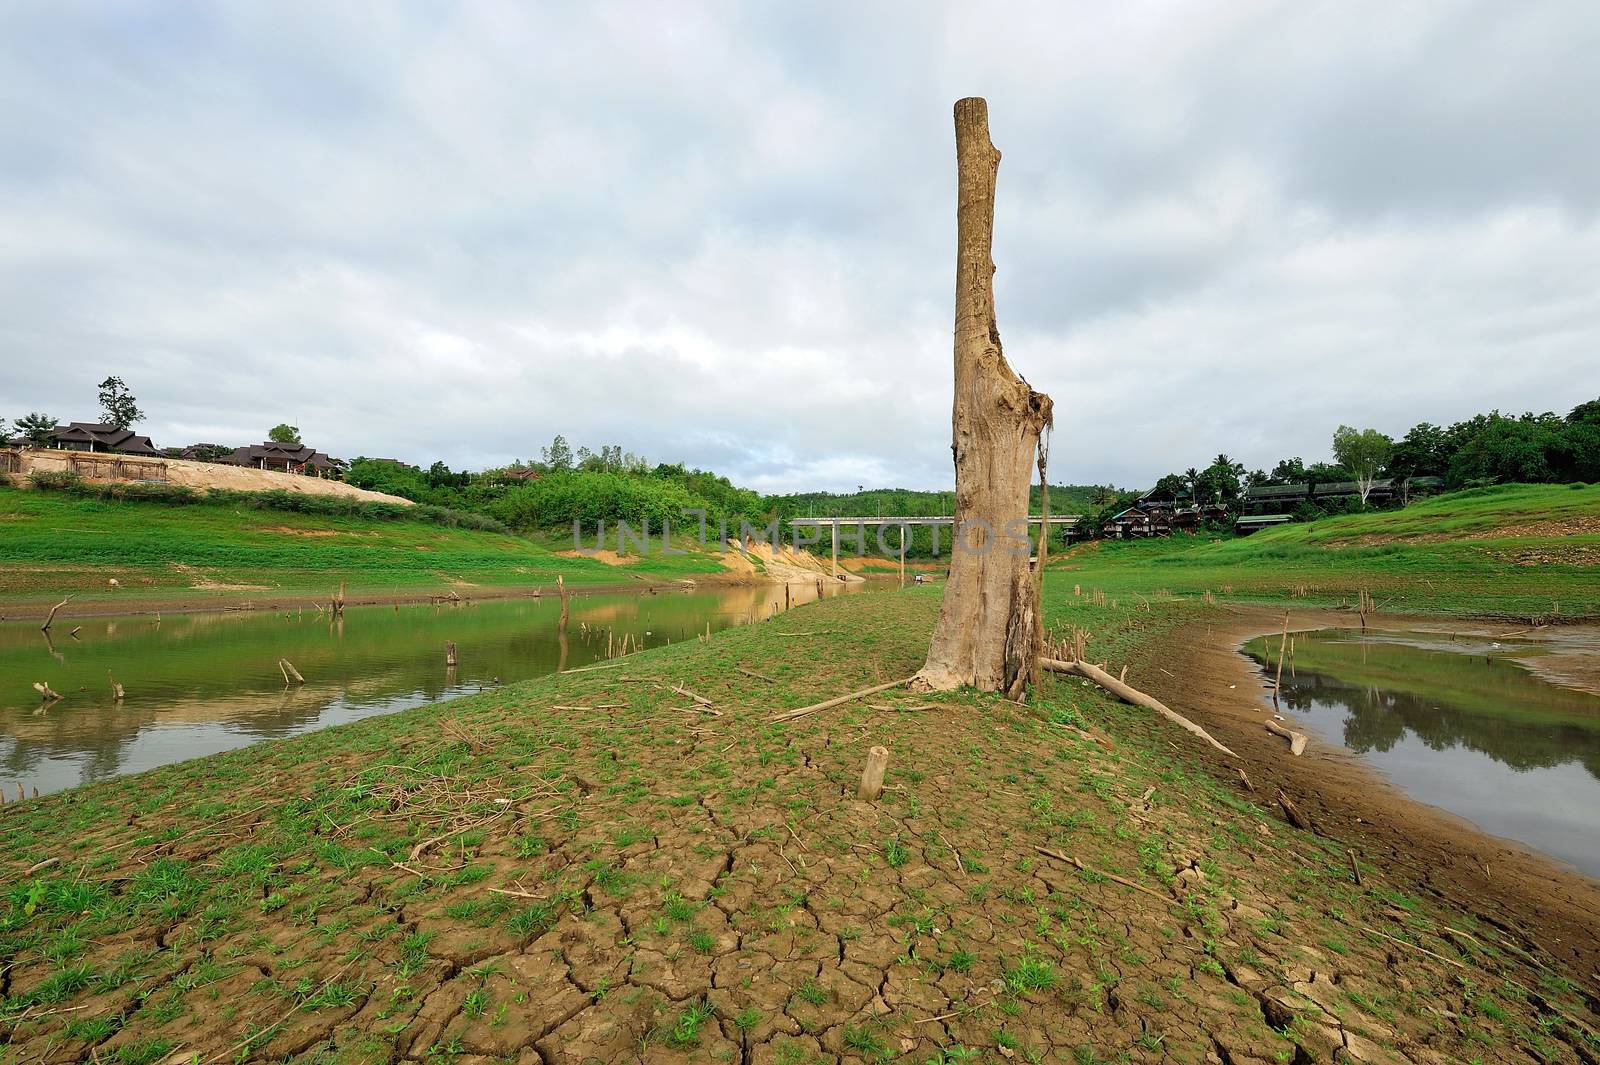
(586,669)
(687,694)
(1292,812)
(814,632)
(45,691)
(1297,740)
(828,704)
(517,894)
(1129,694)
(1085,735)
(1413,946)
(758,676)
(1113,877)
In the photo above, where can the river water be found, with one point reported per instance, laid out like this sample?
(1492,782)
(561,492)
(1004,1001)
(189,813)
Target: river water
(197,684)
(1459,723)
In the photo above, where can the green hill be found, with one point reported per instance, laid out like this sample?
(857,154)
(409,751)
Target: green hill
(53,544)
(1524,550)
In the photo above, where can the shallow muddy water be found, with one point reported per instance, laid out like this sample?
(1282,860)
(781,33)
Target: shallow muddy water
(1460,723)
(201,683)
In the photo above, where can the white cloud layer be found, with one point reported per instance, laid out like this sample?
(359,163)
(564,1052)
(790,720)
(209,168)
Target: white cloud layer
(724,234)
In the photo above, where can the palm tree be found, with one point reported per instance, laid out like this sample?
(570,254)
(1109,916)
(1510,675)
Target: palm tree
(1192,475)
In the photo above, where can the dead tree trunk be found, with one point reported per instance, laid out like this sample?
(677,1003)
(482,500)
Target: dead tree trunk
(987,633)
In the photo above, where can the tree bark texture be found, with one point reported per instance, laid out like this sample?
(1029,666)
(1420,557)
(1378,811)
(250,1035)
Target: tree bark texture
(988,627)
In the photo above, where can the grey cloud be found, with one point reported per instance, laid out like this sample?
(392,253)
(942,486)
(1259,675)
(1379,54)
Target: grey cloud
(723,235)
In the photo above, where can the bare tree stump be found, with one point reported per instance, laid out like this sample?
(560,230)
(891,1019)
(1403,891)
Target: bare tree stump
(45,692)
(450,654)
(871,785)
(117,694)
(987,635)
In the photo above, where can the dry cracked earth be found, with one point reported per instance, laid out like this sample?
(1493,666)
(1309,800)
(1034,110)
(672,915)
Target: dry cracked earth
(637,863)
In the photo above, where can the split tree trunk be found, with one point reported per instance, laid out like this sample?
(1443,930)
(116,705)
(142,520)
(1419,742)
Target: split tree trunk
(987,635)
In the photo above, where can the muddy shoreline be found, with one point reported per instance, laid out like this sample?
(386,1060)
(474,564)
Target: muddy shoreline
(1199,671)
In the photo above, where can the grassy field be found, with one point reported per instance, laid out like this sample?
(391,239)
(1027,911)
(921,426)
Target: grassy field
(595,867)
(53,544)
(1521,550)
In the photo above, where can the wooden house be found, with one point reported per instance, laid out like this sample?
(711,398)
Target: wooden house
(95,436)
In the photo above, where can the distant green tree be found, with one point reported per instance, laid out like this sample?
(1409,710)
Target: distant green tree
(1498,448)
(1221,482)
(36,428)
(284,433)
(558,456)
(1425,451)
(1173,486)
(1583,440)
(1289,471)
(117,404)
(1363,452)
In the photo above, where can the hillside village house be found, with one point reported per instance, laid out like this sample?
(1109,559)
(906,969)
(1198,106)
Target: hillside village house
(290,458)
(93,436)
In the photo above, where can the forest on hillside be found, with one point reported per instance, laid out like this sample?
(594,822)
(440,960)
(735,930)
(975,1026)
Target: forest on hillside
(565,485)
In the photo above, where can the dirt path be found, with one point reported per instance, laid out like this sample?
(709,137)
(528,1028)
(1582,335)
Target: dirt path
(1202,675)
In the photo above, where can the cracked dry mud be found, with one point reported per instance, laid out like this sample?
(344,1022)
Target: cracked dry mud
(631,879)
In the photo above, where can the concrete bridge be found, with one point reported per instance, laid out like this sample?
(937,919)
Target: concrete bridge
(937,521)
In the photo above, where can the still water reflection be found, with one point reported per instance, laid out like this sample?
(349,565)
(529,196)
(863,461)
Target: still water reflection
(1461,726)
(202,683)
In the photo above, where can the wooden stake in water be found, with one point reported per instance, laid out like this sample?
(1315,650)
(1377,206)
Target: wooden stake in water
(450,654)
(1282,643)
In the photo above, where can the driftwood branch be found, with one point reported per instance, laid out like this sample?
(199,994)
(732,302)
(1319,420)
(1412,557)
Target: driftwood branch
(1129,694)
(828,704)
(1297,740)
(50,618)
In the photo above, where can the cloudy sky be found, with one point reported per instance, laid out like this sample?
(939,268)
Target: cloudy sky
(724,234)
